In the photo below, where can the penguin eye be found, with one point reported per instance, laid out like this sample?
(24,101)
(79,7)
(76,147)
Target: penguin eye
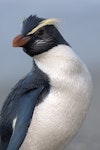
(40,32)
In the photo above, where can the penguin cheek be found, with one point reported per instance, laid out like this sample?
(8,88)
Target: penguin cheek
(31,49)
(29,52)
(35,47)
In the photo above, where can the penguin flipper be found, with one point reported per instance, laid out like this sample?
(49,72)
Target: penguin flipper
(25,111)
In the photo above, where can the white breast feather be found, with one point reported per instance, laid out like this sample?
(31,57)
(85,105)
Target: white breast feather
(14,122)
(57,119)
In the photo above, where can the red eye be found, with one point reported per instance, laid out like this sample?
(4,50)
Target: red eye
(41,32)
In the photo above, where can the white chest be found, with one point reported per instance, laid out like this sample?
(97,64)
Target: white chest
(56,120)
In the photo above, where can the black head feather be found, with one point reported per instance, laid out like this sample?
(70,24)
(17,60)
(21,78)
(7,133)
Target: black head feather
(30,23)
(43,39)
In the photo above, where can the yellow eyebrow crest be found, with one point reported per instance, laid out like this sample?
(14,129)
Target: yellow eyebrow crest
(44,23)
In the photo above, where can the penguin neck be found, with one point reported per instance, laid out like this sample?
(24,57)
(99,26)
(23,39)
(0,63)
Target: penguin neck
(55,61)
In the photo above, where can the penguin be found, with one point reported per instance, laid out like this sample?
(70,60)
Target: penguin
(47,107)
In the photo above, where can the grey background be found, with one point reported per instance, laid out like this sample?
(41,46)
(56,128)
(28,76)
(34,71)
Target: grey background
(80,25)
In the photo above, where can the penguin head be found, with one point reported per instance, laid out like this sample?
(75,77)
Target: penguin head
(38,35)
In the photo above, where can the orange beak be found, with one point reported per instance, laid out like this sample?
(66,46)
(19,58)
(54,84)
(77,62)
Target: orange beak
(20,41)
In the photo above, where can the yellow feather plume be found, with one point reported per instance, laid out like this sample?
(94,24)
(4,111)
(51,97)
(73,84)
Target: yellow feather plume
(44,23)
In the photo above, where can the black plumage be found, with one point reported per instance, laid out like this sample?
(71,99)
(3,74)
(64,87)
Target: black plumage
(30,23)
(20,103)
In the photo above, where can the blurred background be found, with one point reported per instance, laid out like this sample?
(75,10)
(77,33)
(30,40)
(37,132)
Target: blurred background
(80,25)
